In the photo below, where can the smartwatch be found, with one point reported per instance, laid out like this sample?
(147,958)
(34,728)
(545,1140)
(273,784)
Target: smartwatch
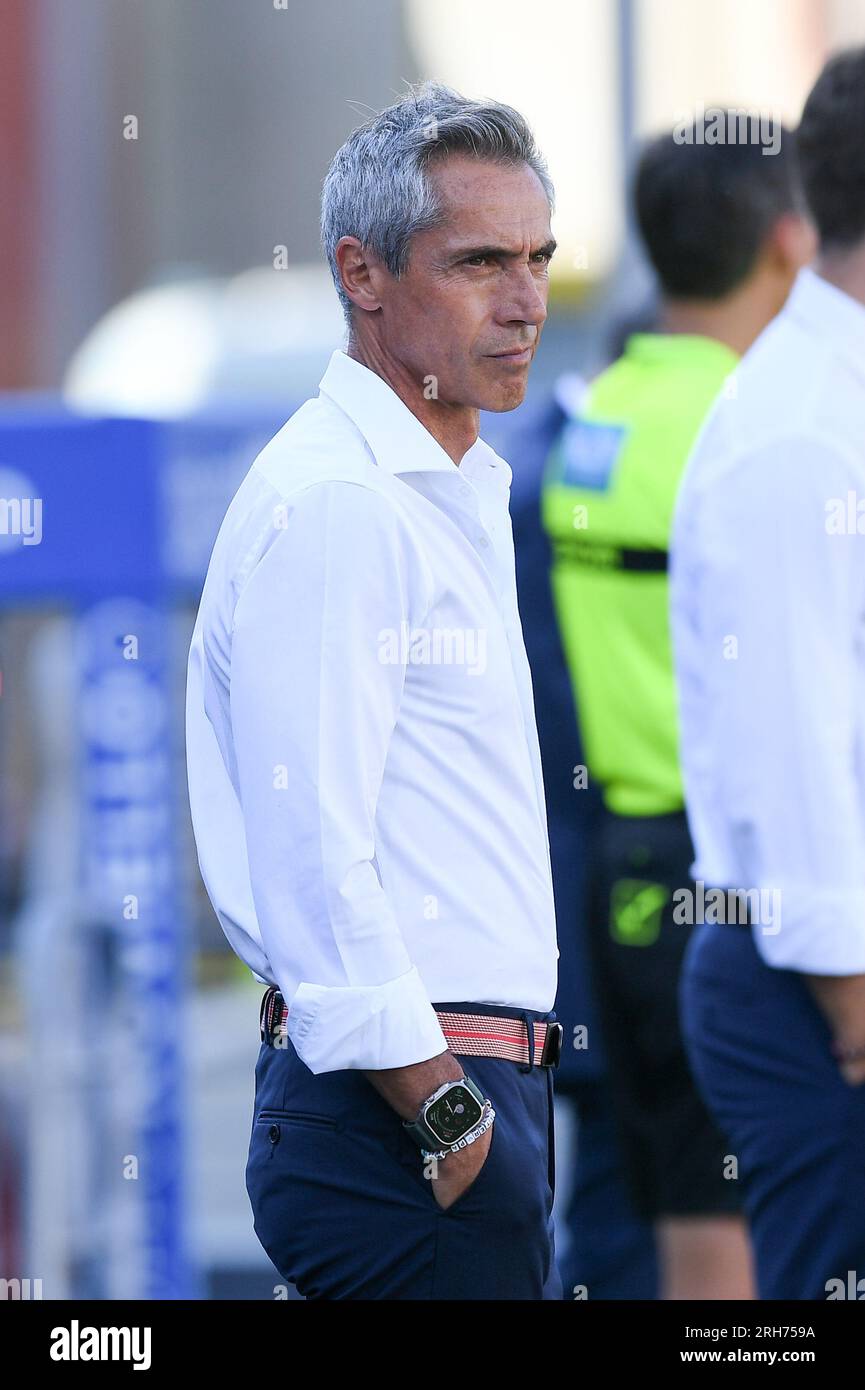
(448,1115)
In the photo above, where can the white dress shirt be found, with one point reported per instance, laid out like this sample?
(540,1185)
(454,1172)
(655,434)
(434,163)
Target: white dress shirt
(768,622)
(364,772)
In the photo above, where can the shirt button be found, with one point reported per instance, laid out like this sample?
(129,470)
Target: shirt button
(464,489)
(482,541)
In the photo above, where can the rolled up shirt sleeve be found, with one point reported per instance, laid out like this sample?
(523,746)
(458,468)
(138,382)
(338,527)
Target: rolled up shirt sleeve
(786,600)
(316,684)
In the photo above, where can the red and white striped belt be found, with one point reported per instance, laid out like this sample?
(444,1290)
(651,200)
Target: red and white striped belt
(472,1035)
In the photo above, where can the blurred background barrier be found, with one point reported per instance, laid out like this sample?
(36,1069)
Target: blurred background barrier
(100,945)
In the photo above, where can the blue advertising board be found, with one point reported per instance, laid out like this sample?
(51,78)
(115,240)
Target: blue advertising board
(113,520)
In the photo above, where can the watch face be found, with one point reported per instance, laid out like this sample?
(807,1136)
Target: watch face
(454,1114)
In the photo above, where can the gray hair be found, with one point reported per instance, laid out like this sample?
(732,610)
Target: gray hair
(377,188)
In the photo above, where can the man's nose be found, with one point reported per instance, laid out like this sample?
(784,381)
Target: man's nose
(525,299)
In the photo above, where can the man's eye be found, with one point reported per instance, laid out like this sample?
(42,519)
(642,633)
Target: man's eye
(476,260)
(545,257)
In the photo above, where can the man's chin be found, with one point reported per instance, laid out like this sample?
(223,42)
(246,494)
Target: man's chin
(508,395)
(501,389)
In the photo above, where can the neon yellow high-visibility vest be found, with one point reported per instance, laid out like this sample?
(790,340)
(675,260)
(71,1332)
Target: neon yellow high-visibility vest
(607,505)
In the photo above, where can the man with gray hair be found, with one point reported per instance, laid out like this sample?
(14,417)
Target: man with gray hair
(367,801)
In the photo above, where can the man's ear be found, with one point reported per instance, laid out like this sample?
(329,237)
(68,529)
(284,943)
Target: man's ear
(794,240)
(355,264)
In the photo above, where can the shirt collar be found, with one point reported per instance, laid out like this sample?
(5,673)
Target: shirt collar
(398,440)
(680,350)
(827,311)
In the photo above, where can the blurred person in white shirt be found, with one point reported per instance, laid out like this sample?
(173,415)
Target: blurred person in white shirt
(768,621)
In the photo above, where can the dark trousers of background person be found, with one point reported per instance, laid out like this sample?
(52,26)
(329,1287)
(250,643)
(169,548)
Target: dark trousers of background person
(343,1210)
(760,1049)
(608,1252)
(673,1152)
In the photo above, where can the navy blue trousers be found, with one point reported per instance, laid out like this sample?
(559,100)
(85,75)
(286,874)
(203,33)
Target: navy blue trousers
(760,1050)
(342,1208)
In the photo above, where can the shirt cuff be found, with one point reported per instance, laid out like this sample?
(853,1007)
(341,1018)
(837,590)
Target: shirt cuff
(366,1027)
(816,933)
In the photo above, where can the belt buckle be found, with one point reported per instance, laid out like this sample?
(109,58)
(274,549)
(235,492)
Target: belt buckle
(552,1050)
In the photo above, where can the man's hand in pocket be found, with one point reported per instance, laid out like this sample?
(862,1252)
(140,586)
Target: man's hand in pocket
(842,999)
(455,1174)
